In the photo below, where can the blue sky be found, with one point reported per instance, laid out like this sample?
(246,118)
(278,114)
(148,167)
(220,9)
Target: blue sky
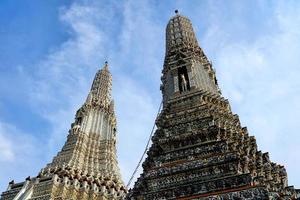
(50,51)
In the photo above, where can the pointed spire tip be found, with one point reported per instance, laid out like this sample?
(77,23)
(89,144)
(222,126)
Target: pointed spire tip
(105,65)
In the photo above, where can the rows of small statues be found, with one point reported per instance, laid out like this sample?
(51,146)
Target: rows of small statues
(208,107)
(193,164)
(75,173)
(96,187)
(192,127)
(198,188)
(189,49)
(197,175)
(62,181)
(247,148)
(201,150)
(249,194)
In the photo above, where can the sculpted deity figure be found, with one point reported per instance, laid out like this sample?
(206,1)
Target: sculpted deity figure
(246,163)
(183,83)
(76,128)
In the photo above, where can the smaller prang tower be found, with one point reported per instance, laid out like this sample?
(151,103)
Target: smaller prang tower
(200,150)
(86,167)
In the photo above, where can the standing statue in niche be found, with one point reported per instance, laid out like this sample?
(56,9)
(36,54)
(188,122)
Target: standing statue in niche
(183,83)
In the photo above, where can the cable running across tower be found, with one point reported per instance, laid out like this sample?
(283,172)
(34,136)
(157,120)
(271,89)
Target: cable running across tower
(146,149)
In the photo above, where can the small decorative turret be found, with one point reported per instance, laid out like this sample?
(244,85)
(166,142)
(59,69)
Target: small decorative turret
(101,87)
(28,178)
(10,184)
(180,33)
(186,68)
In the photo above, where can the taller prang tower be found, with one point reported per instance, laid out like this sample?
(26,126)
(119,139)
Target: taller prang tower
(200,150)
(86,167)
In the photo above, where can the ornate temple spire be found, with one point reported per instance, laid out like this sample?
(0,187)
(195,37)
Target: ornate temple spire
(186,68)
(180,33)
(87,166)
(95,120)
(199,149)
(89,153)
(101,87)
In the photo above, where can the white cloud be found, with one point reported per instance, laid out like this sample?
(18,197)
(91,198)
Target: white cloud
(136,83)
(141,40)
(260,78)
(63,78)
(136,112)
(13,142)
(19,154)
(6,147)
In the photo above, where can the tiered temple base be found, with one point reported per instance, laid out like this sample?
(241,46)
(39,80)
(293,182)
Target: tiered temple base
(65,183)
(200,151)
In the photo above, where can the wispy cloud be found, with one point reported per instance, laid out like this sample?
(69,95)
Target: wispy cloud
(19,153)
(6,147)
(66,73)
(260,79)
